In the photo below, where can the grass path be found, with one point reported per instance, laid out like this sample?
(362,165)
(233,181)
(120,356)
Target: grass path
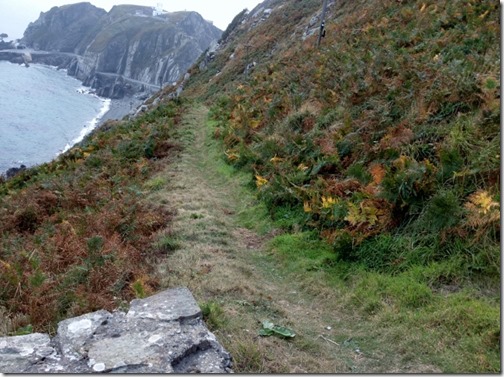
(237,281)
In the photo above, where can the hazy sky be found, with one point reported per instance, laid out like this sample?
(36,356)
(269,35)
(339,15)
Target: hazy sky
(16,15)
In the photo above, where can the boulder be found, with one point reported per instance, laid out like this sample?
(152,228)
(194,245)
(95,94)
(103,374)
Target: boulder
(12,172)
(163,333)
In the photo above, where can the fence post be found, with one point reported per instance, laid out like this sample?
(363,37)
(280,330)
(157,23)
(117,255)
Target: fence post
(322,23)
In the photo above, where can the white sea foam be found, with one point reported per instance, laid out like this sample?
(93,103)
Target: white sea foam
(43,110)
(91,125)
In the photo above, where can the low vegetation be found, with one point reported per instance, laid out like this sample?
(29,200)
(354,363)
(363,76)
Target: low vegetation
(380,154)
(75,234)
(387,140)
(350,193)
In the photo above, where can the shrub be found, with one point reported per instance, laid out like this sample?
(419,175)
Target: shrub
(358,171)
(442,211)
(213,314)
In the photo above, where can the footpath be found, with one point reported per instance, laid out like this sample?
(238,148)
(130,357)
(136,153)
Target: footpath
(235,278)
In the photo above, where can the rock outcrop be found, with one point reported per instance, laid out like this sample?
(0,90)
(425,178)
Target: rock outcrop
(163,333)
(65,29)
(129,49)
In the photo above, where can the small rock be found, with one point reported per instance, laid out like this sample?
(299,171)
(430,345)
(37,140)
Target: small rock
(100,367)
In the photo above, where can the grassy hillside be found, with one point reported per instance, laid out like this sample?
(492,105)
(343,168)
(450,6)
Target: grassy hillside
(374,161)
(384,143)
(386,139)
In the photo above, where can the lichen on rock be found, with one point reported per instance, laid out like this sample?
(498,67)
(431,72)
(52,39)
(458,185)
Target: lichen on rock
(163,333)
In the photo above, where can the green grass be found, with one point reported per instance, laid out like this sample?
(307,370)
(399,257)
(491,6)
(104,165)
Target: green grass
(156,183)
(422,313)
(249,216)
(166,244)
(213,315)
(378,155)
(410,311)
(395,120)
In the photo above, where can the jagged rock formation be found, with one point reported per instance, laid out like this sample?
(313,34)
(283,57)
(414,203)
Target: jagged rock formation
(123,51)
(163,333)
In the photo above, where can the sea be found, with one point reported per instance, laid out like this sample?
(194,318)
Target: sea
(43,113)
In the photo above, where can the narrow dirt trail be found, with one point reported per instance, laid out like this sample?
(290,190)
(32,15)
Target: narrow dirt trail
(228,269)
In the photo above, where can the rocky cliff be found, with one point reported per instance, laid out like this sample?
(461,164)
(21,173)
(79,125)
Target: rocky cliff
(163,333)
(126,50)
(64,28)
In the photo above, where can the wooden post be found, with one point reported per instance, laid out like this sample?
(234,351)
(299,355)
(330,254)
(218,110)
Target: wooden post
(322,23)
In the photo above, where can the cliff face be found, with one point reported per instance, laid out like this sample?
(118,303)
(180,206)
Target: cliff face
(125,50)
(64,28)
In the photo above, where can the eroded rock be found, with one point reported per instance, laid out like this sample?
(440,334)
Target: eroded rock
(163,333)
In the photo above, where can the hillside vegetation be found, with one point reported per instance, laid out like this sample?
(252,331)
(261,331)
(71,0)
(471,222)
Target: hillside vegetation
(386,140)
(75,233)
(373,164)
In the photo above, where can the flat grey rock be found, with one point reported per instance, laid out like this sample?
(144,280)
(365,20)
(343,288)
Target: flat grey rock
(163,333)
(21,352)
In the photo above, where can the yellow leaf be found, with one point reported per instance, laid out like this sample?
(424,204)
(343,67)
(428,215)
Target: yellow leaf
(402,162)
(260,181)
(354,216)
(483,200)
(362,214)
(255,123)
(302,167)
(370,213)
(276,159)
(231,155)
(482,210)
(307,207)
(328,202)
(423,7)
(484,14)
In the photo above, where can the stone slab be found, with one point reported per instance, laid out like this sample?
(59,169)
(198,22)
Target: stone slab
(164,333)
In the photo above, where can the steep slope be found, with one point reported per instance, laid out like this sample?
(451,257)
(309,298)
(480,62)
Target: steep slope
(366,172)
(386,139)
(384,142)
(103,49)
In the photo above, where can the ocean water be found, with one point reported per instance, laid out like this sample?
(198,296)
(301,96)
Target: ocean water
(43,112)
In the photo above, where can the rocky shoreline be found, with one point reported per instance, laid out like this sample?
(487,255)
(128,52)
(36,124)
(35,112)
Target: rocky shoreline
(119,108)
